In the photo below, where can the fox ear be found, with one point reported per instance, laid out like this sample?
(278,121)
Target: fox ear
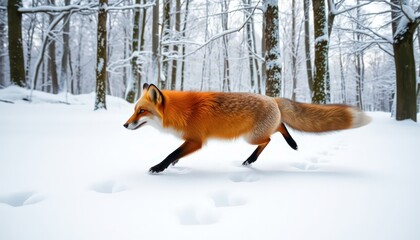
(155,94)
(145,86)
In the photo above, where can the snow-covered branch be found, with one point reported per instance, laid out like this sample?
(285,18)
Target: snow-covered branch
(45,9)
(370,33)
(77,7)
(130,7)
(121,63)
(219,35)
(334,7)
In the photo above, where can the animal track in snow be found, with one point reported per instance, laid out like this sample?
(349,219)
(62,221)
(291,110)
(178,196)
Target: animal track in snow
(226,199)
(244,177)
(194,215)
(108,187)
(22,198)
(305,166)
(179,170)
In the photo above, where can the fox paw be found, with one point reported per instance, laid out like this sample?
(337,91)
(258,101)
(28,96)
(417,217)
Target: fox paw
(156,169)
(246,163)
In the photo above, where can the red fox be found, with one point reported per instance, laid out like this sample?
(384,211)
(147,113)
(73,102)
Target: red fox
(198,116)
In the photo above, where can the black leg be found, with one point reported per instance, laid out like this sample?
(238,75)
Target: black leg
(186,148)
(283,130)
(255,154)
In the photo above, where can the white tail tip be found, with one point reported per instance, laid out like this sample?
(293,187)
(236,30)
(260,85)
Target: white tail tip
(360,118)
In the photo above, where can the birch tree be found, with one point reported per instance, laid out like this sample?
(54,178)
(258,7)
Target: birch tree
(166,23)
(155,42)
(177,26)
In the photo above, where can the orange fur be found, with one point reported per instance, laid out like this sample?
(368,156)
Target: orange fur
(197,116)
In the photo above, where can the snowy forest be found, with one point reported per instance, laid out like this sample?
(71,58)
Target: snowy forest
(359,52)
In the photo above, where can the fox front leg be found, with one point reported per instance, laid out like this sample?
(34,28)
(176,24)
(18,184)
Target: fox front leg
(186,148)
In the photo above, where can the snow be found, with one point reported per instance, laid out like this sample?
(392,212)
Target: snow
(100,64)
(322,39)
(67,172)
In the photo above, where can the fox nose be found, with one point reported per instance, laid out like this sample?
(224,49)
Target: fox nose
(126,125)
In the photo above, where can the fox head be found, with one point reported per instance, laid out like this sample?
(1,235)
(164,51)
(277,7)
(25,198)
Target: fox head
(148,109)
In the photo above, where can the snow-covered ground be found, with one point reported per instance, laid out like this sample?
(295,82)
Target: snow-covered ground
(68,172)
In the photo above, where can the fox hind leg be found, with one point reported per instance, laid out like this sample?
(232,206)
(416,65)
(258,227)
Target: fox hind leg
(256,153)
(283,130)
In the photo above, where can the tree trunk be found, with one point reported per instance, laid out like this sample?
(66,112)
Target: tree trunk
(16,61)
(257,66)
(184,29)
(2,45)
(342,78)
(52,64)
(360,64)
(225,39)
(65,58)
(155,42)
(29,43)
(321,52)
(166,23)
(175,49)
(405,66)
(101,62)
(309,74)
(294,51)
(272,45)
(406,77)
(52,57)
(143,27)
(247,3)
(135,75)
(78,76)
(205,58)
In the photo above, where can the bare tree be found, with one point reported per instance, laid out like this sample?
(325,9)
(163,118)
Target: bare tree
(3,36)
(135,46)
(403,27)
(225,39)
(17,65)
(321,51)
(308,61)
(66,69)
(177,24)
(272,54)
(249,44)
(166,23)
(294,51)
(184,29)
(155,42)
(52,63)
(101,76)
(359,59)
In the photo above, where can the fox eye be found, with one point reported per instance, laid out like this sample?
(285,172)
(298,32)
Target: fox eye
(141,111)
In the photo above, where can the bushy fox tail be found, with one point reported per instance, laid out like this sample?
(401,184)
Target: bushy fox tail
(320,118)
